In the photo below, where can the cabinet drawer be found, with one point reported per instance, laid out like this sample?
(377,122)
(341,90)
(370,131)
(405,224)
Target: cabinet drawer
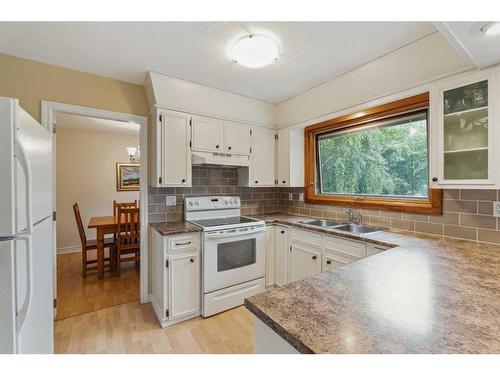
(305,237)
(343,247)
(184,242)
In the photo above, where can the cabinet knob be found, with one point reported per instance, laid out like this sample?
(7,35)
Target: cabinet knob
(216,146)
(283,182)
(191,260)
(256,182)
(282,231)
(229,147)
(183,180)
(314,257)
(434,179)
(328,262)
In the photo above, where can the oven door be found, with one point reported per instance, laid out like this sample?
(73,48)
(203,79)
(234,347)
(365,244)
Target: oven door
(232,257)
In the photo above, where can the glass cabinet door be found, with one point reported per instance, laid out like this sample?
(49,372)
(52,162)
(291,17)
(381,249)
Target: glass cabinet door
(465,132)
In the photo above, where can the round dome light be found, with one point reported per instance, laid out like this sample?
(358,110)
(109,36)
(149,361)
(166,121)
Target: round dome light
(491,28)
(255,51)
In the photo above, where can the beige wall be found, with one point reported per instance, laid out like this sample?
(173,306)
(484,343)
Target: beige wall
(31,82)
(86,174)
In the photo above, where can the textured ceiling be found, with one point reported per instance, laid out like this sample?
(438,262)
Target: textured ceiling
(310,52)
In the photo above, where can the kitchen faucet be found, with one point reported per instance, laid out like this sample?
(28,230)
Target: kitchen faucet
(354,216)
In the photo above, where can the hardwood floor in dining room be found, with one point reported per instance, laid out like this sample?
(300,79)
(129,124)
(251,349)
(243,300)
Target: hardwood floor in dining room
(133,328)
(77,295)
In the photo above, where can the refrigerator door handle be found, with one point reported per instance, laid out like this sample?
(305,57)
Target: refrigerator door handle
(23,160)
(23,311)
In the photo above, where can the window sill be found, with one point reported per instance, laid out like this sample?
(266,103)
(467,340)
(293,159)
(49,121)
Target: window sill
(432,205)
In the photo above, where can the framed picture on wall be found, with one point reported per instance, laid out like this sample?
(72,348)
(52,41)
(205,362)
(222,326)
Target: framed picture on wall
(127,177)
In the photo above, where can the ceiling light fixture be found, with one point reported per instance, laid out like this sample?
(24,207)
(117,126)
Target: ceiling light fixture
(491,28)
(254,51)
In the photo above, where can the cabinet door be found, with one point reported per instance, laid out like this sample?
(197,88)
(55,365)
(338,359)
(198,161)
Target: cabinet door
(185,293)
(283,156)
(281,248)
(330,262)
(465,132)
(207,134)
(175,153)
(270,256)
(263,146)
(236,139)
(305,261)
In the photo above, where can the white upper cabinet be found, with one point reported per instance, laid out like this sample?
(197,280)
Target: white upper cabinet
(290,158)
(236,139)
(262,166)
(171,161)
(208,134)
(465,132)
(218,136)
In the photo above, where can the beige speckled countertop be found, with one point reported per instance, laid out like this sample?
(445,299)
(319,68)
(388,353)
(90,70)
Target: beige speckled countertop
(428,295)
(168,228)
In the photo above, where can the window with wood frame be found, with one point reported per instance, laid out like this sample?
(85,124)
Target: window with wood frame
(377,158)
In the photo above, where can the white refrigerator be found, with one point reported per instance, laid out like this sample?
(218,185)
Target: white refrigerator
(26,234)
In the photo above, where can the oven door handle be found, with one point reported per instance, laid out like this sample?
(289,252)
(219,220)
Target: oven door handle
(234,232)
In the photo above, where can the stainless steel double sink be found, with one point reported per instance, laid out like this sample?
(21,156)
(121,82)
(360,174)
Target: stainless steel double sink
(342,226)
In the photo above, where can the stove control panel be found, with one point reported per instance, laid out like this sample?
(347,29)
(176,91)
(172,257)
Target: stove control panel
(212,203)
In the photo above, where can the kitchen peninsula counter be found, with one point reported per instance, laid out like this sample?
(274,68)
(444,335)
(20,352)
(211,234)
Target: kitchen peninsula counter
(428,294)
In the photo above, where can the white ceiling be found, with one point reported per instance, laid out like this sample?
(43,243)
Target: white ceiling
(480,49)
(311,52)
(66,120)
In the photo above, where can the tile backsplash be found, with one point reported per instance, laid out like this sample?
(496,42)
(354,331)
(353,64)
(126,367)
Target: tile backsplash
(467,214)
(212,180)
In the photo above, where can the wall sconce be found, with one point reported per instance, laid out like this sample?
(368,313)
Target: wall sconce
(134,153)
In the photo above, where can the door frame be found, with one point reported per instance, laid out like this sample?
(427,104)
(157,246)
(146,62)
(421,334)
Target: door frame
(48,111)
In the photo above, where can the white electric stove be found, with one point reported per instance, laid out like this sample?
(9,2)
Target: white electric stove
(233,252)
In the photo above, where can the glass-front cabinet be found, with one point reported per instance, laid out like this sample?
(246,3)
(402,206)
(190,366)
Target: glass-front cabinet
(465,132)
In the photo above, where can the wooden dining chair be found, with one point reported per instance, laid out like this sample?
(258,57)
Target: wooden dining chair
(128,233)
(87,245)
(123,205)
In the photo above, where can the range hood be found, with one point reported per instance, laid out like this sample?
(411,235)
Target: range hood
(217,158)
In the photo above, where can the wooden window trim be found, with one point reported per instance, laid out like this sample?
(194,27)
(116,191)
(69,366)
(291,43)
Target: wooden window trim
(432,205)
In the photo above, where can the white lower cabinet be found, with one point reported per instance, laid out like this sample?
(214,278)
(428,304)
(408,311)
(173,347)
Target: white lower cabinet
(184,279)
(330,262)
(305,255)
(176,277)
(293,254)
(281,254)
(270,256)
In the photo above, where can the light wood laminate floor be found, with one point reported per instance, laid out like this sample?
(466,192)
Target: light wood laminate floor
(77,295)
(133,328)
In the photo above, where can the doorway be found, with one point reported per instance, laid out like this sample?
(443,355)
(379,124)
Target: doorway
(95,151)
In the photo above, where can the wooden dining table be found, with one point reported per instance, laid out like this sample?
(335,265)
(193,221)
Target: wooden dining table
(103,225)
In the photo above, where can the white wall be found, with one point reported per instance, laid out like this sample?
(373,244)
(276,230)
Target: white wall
(86,174)
(420,62)
(179,95)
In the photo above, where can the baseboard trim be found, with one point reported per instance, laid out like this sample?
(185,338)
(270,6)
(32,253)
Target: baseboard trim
(69,250)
